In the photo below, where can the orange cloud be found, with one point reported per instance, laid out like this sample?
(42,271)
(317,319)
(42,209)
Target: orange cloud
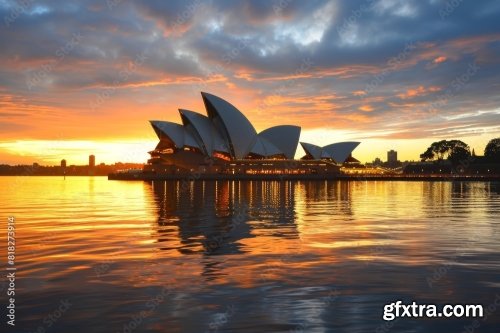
(366,108)
(342,72)
(245,76)
(439,60)
(419,91)
(359,93)
(433,52)
(474,43)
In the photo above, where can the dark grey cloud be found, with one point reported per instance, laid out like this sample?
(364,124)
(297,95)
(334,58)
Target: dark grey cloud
(385,48)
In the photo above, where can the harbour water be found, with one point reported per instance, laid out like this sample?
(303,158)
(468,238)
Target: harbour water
(94,255)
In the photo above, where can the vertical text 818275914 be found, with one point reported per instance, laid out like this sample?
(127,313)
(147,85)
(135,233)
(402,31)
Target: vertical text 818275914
(11,271)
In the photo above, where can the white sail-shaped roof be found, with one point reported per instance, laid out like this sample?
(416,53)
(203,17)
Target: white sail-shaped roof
(325,154)
(208,137)
(340,151)
(177,135)
(285,137)
(234,127)
(265,148)
(313,150)
(175,132)
(189,140)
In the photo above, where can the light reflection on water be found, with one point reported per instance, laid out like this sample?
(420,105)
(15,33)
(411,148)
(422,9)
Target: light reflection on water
(250,256)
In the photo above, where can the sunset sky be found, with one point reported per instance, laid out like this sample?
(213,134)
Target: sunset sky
(82,77)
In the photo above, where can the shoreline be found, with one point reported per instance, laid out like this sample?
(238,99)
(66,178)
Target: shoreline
(198,176)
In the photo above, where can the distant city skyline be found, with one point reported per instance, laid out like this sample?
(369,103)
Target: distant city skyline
(67,87)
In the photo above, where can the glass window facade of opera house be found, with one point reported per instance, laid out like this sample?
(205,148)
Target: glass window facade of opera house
(224,141)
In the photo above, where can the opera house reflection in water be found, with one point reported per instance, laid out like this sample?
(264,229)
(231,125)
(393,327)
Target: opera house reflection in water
(214,216)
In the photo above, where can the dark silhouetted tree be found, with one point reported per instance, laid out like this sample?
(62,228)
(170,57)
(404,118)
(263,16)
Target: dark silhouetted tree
(428,155)
(492,150)
(458,151)
(459,154)
(454,150)
(436,149)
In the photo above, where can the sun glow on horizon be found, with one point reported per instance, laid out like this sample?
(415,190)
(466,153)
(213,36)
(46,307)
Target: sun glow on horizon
(130,150)
(77,151)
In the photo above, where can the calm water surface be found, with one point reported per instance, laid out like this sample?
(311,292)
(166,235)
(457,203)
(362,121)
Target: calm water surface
(248,256)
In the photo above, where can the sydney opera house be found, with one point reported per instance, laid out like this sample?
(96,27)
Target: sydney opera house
(224,142)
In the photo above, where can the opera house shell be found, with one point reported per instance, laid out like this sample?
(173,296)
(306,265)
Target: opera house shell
(225,142)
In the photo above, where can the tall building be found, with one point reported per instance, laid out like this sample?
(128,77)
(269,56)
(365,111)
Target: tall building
(63,163)
(392,157)
(91,161)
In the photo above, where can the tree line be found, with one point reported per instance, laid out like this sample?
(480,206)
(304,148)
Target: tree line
(456,151)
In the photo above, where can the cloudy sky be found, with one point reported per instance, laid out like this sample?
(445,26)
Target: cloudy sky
(81,77)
